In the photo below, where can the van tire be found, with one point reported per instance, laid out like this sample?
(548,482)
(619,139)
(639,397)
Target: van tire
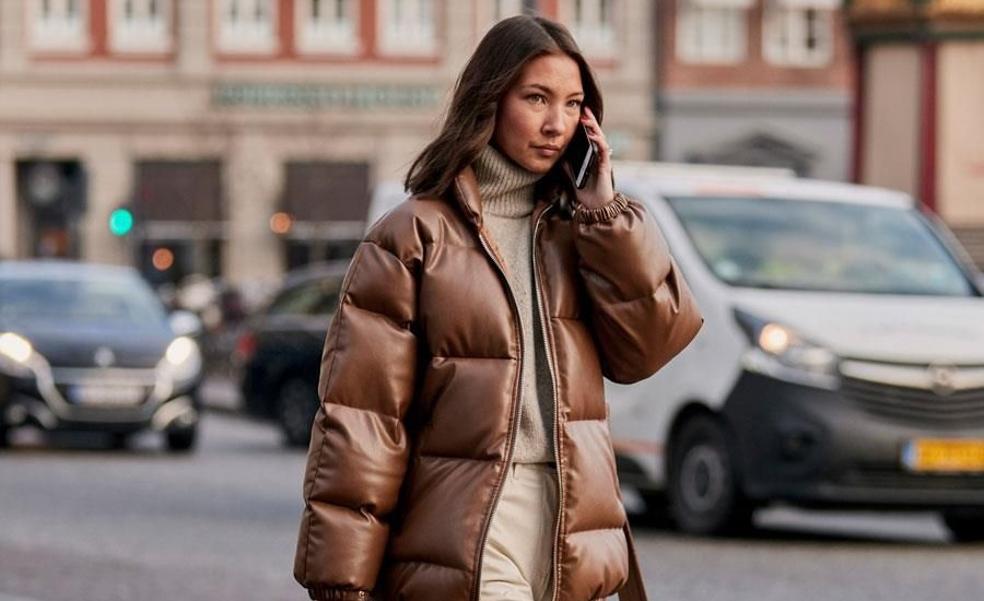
(657,511)
(182,440)
(965,526)
(704,492)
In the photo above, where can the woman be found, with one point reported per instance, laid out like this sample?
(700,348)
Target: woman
(461,451)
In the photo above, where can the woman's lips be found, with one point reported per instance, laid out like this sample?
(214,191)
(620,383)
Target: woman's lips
(547,151)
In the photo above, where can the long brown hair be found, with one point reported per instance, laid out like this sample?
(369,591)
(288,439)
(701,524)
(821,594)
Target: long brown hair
(492,69)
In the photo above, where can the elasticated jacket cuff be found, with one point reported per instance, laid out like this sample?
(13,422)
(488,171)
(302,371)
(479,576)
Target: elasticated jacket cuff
(338,594)
(601,214)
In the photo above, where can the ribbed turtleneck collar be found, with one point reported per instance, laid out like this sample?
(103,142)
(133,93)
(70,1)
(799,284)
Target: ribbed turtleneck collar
(505,187)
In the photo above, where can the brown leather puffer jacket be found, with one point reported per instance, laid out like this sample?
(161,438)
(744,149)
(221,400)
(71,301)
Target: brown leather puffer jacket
(419,388)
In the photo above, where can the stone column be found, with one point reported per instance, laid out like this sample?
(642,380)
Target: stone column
(194,54)
(109,181)
(252,179)
(8,202)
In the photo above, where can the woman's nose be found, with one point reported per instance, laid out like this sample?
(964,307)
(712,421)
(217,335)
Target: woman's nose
(553,122)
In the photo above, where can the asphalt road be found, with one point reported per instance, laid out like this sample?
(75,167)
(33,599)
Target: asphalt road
(84,523)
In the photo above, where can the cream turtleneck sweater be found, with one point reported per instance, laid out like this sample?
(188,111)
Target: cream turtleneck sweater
(506,190)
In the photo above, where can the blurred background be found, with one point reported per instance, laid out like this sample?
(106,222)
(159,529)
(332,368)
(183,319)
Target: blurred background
(182,183)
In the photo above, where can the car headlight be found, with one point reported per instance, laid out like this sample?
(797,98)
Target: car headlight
(182,362)
(781,352)
(15,354)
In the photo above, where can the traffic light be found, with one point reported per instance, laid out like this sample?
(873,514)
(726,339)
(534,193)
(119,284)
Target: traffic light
(121,221)
(281,222)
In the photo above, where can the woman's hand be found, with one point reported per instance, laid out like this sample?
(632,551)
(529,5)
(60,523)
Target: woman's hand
(599,191)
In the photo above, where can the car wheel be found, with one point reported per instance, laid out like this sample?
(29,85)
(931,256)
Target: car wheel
(704,494)
(182,440)
(297,404)
(965,526)
(4,436)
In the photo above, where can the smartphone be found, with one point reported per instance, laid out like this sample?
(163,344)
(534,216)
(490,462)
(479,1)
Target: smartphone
(581,155)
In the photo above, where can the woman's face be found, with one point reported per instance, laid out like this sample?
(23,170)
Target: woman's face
(538,115)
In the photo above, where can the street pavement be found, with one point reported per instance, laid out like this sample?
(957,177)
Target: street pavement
(80,522)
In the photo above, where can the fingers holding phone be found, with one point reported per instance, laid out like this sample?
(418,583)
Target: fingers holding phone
(597,189)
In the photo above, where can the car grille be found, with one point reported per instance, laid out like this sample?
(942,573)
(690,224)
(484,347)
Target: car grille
(115,390)
(916,400)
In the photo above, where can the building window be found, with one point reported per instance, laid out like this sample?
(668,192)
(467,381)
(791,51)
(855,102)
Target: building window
(59,25)
(407,27)
(712,31)
(181,215)
(799,33)
(247,26)
(140,25)
(593,25)
(327,26)
(328,203)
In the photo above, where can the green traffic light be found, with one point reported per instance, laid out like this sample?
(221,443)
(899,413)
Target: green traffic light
(120,222)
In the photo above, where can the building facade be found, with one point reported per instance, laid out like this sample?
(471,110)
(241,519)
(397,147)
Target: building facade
(245,137)
(755,82)
(920,93)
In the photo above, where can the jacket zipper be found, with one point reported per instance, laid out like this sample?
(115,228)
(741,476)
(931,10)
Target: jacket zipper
(512,420)
(544,317)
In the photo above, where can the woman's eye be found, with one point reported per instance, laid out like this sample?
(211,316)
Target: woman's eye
(537,98)
(575,103)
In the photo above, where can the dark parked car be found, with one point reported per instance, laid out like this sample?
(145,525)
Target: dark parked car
(280,351)
(90,347)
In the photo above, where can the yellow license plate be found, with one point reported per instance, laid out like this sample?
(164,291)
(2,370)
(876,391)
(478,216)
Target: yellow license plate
(943,455)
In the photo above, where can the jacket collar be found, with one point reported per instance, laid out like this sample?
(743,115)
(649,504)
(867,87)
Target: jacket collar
(470,201)
(466,193)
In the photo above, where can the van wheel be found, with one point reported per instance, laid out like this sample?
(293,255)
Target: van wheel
(182,440)
(657,514)
(705,497)
(965,526)
(297,404)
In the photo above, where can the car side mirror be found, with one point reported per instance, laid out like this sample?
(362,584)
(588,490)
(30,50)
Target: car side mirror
(185,323)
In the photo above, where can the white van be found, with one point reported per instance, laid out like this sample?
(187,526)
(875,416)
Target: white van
(841,361)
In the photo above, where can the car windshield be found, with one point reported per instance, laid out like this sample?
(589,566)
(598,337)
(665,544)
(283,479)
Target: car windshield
(314,298)
(120,299)
(816,245)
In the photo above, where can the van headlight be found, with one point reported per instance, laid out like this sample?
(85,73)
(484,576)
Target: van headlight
(779,351)
(182,362)
(15,354)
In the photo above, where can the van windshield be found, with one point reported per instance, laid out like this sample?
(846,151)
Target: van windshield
(816,245)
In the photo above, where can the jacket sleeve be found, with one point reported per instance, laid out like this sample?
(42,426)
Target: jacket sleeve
(642,311)
(359,448)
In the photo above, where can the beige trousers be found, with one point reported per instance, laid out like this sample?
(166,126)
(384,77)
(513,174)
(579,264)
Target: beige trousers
(517,562)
